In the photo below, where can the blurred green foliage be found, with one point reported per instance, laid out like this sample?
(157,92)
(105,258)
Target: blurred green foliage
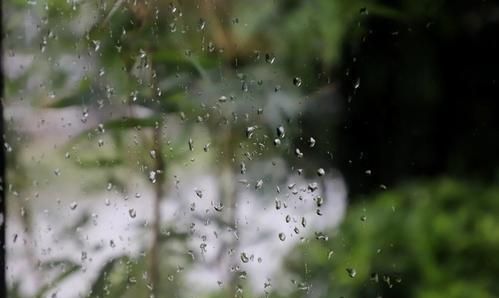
(425,239)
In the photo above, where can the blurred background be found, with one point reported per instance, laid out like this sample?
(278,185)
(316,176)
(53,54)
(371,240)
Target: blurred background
(266,148)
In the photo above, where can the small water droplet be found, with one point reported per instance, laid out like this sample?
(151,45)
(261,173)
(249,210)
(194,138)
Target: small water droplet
(173,27)
(357,84)
(199,193)
(311,142)
(201,24)
(281,133)
(73,205)
(330,255)
(282,236)
(244,257)
(351,272)
(298,153)
(152,154)
(321,172)
(191,144)
(297,81)
(259,184)
(132,213)
(219,207)
(269,58)
(244,87)
(249,131)
(152,176)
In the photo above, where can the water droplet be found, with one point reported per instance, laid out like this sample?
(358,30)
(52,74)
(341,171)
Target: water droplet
(152,176)
(57,172)
(211,47)
(222,98)
(219,207)
(282,236)
(311,142)
(321,172)
(244,257)
(278,204)
(363,218)
(249,131)
(173,8)
(357,84)
(201,24)
(152,154)
(73,205)
(351,272)
(313,186)
(298,153)
(303,222)
(259,184)
(269,58)
(96,45)
(281,133)
(100,143)
(109,186)
(319,201)
(330,255)
(277,142)
(288,218)
(244,87)
(364,11)
(199,193)
(173,27)
(191,144)
(132,213)
(243,168)
(297,81)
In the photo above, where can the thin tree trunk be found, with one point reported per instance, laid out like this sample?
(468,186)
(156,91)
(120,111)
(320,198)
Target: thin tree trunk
(3,214)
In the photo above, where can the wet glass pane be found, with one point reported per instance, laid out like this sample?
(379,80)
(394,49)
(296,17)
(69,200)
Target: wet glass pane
(266,148)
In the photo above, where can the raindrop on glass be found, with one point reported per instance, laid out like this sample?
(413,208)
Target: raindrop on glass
(297,81)
(132,213)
